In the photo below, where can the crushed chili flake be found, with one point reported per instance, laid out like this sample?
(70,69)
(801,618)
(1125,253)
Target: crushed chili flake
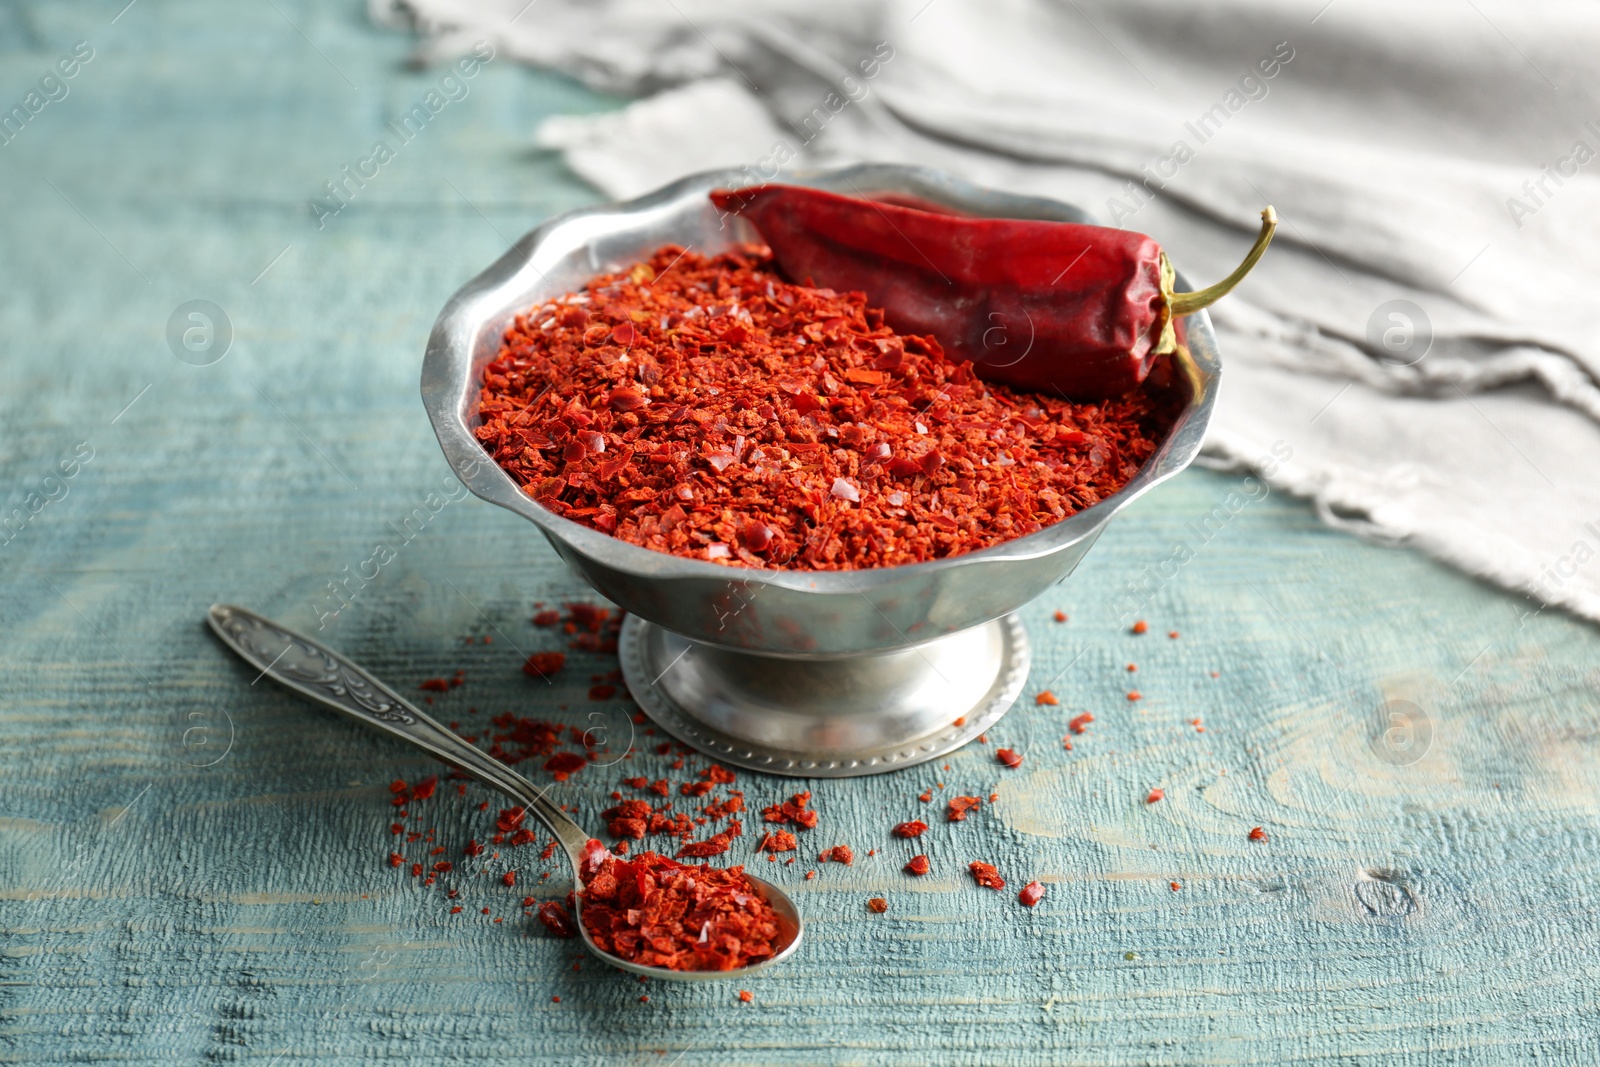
(1031,894)
(959,806)
(777,841)
(708,408)
(915,828)
(746,996)
(1134,694)
(838,854)
(435,685)
(564,764)
(1173,634)
(926,796)
(1047,698)
(986,875)
(1079,723)
(544,664)
(1060,616)
(917,865)
(1140,627)
(557,919)
(1258,834)
(793,810)
(877,905)
(1009,756)
(1155,795)
(655,912)
(1175,886)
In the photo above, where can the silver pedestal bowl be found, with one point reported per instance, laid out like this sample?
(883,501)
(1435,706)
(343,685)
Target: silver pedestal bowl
(807,673)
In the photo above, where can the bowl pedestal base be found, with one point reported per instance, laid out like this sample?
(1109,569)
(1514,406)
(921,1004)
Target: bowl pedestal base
(826,716)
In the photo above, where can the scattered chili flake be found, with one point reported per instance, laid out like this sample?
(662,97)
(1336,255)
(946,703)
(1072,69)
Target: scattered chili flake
(435,685)
(653,911)
(1133,694)
(1079,723)
(602,692)
(1197,727)
(758,423)
(915,828)
(395,859)
(1140,627)
(1258,834)
(1175,886)
(1047,698)
(715,845)
(1132,667)
(1155,795)
(509,819)
(917,865)
(959,806)
(1031,894)
(838,854)
(777,841)
(544,664)
(456,910)
(564,764)
(1060,616)
(1009,756)
(555,1000)
(472,848)
(877,905)
(926,796)
(745,995)
(556,919)
(986,875)
(547,618)
(509,878)
(960,722)
(793,810)
(1173,634)
(810,875)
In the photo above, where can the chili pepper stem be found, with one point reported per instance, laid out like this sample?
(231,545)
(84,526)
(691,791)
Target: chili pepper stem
(1188,303)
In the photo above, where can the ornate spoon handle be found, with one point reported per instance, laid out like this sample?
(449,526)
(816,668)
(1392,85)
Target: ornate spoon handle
(296,662)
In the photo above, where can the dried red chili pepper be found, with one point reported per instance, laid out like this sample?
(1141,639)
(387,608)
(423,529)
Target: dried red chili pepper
(915,828)
(1094,306)
(756,423)
(917,865)
(986,875)
(1031,894)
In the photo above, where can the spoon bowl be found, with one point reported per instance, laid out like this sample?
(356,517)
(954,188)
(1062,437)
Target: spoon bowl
(318,673)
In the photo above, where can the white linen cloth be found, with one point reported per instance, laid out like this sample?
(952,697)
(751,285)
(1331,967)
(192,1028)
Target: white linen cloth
(1439,152)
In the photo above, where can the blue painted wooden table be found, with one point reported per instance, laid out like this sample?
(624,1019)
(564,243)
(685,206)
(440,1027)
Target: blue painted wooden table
(193,868)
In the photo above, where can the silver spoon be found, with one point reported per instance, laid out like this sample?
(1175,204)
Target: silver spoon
(299,663)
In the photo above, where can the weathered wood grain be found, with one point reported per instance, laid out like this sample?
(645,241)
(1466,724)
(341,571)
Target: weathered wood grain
(1440,909)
